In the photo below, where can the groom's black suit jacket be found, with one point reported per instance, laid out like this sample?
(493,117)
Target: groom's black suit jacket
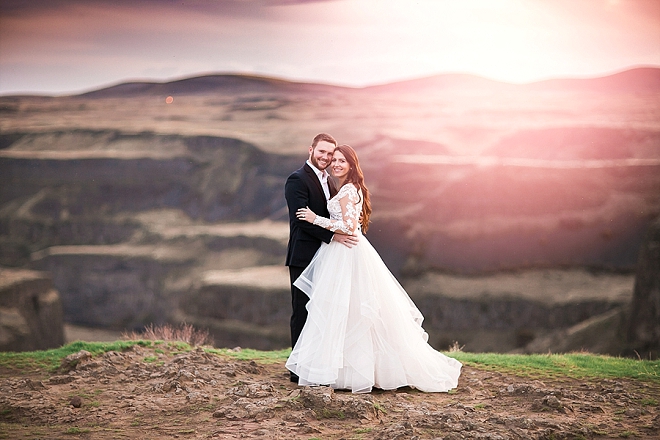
(302,189)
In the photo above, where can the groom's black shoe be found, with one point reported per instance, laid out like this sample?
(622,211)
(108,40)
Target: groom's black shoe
(293,378)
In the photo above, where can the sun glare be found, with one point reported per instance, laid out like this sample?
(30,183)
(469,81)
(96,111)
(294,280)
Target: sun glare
(356,42)
(508,40)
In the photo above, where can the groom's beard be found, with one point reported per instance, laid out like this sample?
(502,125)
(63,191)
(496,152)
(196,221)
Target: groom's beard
(318,166)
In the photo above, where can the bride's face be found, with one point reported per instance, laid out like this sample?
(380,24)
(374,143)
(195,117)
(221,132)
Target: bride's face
(339,165)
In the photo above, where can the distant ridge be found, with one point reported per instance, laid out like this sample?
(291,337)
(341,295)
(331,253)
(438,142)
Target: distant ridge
(642,79)
(438,82)
(234,83)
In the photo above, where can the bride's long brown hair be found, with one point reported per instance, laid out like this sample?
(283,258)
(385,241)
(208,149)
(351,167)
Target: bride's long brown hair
(356,176)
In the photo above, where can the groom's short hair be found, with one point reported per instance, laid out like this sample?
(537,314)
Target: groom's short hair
(323,137)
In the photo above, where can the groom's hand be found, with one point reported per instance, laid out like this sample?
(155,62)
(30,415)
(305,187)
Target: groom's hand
(347,240)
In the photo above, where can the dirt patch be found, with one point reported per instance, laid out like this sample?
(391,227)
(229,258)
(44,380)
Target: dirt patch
(159,393)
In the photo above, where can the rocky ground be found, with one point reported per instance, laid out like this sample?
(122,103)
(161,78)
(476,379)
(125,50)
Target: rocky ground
(159,392)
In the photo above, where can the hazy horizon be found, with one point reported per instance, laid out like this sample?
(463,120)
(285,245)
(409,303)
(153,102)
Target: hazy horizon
(293,80)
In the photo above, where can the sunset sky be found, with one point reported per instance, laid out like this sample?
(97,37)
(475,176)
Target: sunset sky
(63,46)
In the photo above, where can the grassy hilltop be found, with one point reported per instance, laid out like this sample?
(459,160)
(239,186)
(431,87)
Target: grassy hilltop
(170,389)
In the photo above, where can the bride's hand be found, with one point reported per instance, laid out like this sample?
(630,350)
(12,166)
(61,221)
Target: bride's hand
(306,214)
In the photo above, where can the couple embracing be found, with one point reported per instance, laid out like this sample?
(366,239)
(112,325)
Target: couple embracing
(353,326)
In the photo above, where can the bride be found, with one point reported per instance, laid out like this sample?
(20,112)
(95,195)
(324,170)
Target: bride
(362,329)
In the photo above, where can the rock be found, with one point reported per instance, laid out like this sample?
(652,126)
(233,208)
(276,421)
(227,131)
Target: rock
(633,412)
(644,323)
(304,428)
(591,408)
(71,361)
(31,316)
(256,390)
(76,401)
(196,397)
(358,407)
(548,403)
(317,397)
(398,431)
(34,385)
(522,389)
(59,380)
(325,403)
(169,386)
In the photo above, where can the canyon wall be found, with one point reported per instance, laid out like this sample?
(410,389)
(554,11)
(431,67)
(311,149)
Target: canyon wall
(31,315)
(136,207)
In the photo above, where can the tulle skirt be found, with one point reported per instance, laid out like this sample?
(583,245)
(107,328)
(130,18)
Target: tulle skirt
(362,329)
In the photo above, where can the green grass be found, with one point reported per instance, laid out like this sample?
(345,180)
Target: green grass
(574,365)
(50,359)
(326,413)
(379,408)
(76,430)
(249,354)
(649,402)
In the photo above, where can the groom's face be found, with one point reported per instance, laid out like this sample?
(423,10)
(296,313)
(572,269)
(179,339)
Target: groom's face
(321,156)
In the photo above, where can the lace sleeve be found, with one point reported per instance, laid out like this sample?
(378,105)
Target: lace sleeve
(348,200)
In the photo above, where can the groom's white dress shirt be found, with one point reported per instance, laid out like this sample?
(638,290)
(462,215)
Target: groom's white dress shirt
(323,178)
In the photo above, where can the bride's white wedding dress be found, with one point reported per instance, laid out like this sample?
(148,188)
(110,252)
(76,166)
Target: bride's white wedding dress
(362,328)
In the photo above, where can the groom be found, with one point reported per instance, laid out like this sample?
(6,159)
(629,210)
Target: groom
(309,186)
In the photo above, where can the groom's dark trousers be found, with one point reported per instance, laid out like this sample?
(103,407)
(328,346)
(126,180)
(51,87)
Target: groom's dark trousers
(303,189)
(298,303)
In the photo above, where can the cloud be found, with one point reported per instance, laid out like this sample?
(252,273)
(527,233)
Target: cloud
(295,2)
(21,8)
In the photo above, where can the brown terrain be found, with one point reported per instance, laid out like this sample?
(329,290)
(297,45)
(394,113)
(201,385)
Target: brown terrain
(159,392)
